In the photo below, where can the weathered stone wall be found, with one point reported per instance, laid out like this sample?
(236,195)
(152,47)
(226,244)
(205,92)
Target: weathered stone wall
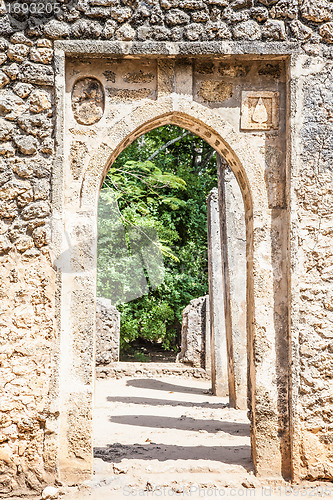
(107,332)
(28,409)
(30,337)
(194,332)
(312,262)
(175,20)
(29,343)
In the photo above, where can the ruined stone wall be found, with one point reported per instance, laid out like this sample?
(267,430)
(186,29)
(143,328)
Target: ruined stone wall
(28,346)
(172,20)
(29,331)
(107,332)
(194,333)
(228,279)
(313,263)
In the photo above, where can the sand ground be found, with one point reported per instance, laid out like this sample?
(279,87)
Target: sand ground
(169,432)
(169,437)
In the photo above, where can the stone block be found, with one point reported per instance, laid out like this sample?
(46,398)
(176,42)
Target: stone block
(36,73)
(107,332)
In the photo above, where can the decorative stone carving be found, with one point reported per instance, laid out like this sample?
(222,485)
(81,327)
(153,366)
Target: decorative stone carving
(260,110)
(88,101)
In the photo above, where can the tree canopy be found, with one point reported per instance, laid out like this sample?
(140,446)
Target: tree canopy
(160,183)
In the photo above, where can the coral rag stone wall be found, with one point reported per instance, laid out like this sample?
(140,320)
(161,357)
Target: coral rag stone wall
(314,260)
(28,346)
(173,20)
(29,352)
(107,332)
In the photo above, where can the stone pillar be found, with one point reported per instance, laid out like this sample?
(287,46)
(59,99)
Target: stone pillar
(219,359)
(107,332)
(226,279)
(208,351)
(227,289)
(194,333)
(236,235)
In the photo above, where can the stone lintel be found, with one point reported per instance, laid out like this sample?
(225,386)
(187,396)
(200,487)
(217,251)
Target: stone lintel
(190,49)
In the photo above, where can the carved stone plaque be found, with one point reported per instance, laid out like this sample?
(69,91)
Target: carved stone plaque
(88,100)
(260,110)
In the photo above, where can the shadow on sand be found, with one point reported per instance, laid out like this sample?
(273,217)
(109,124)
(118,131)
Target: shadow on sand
(158,385)
(183,423)
(238,455)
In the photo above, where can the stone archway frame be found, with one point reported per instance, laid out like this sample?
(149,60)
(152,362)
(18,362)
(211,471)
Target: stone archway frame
(77,288)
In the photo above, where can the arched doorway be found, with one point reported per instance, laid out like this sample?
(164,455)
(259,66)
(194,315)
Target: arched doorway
(152,413)
(77,287)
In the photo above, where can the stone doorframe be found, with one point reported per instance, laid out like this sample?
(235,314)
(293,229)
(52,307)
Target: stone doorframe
(75,213)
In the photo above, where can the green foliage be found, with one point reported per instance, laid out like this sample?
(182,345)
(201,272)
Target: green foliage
(147,318)
(163,189)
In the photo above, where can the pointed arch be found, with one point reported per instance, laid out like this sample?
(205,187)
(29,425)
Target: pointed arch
(78,291)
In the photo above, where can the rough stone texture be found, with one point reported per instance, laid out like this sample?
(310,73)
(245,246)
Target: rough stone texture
(313,268)
(219,356)
(30,209)
(215,91)
(194,332)
(289,237)
(236,239)
(227,288)
(248,20)
(150,370)
(107,332)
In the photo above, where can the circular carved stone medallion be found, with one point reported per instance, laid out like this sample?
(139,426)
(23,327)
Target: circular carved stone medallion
(87,101)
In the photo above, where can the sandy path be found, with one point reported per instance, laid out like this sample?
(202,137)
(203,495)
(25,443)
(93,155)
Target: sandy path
(167,437)
(168,431)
